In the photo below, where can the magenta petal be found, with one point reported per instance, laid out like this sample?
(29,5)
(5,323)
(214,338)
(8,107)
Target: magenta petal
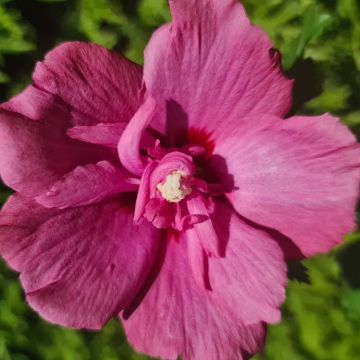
(100,134)
(160,212)
(129,144)
(198,259)
(299,177)
(177,317)
(211,63)
(74,264)
(36,154)
(253,275)
(144,191)
(204,229)
(100,86)
(38,105)
(87,185)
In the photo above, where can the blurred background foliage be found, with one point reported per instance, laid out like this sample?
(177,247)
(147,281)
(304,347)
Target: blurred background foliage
(320,43)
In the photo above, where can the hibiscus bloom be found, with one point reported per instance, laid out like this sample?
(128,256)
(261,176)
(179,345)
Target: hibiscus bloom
(170,196)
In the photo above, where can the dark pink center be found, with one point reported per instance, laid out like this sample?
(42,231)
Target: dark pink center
(170,187)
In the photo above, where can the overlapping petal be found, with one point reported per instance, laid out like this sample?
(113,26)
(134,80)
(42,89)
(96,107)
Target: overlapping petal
(189,320)
(204,229)
(211,63)
(100,134)
(98,85)
(252,274)
(129,143)
(79,267)
(299,177)
(35,154)
(77,84)
(87,185)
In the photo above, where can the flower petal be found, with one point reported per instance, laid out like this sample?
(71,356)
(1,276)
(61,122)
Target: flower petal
(101,134)
(186,319)
(198,259)
(252,276)
(129,144)
(99,86)
(143,195)
(299,177)
(38,105)
(204,229)
(74,264)
(36,154)
(87,185)
(211,63)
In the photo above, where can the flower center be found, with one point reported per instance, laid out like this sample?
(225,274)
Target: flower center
(175,187)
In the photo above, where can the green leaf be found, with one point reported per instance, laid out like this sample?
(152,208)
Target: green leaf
(352,119)
(3,196)
(51,1)
(3,77)
(351,303)
(334,99)
(154,13)
(314,24)
(13,34)
(356,44)
(349,9)
(101,21)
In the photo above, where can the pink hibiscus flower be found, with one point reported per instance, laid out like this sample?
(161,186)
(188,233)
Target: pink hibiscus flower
(172,196)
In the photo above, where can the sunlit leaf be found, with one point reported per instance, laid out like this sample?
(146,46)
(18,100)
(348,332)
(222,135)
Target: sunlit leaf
(100,21)
(154,13)
(313,26)
(333,99)
(351,302)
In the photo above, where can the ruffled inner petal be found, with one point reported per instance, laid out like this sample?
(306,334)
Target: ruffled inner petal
(130,141)
(88,184)
(100,134)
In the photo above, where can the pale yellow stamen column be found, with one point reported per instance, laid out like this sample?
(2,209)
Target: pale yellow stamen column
(174,188)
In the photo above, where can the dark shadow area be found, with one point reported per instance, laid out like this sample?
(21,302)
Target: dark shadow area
(215,171)
(349,261)
(177,124)
(308,83)
(47,24)
(130,6)
(222,227)
(297,271)
(47,19)
(291,251)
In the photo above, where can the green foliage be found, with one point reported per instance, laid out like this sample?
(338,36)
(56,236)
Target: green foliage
(13,35)
(12,32)
(154,13)
(321,320)
(106,23)
(100,21)
(51,1)
(350,10)
(313,25)
(333,99)
(351,303)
